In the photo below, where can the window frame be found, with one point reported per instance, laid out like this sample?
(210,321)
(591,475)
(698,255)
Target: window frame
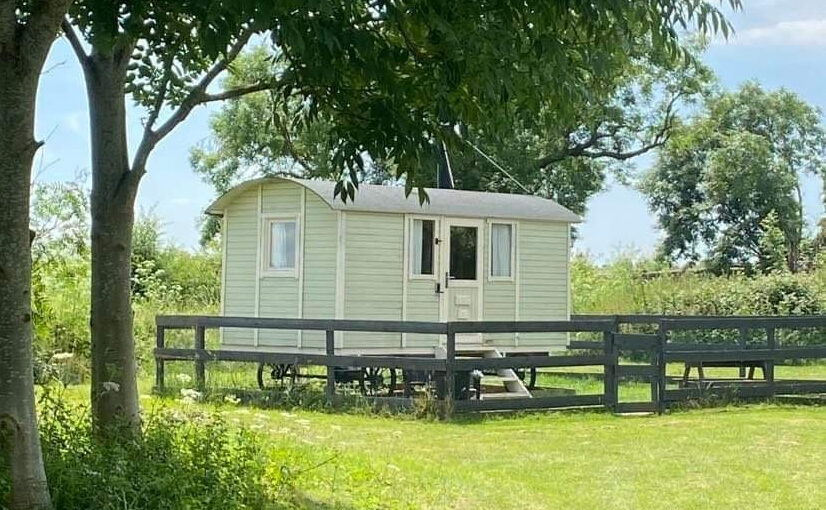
(267,222)
(436,248)
(514,228)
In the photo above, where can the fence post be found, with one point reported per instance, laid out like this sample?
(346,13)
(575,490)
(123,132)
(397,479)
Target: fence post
(160,342)
(331,373)
(662,339)
(611,384)
(768,373)
(450,376)
(200,369)
(742,341)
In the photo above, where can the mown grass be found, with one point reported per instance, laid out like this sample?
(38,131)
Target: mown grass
(764,456)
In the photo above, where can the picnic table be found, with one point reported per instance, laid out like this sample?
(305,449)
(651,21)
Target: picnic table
(742,365)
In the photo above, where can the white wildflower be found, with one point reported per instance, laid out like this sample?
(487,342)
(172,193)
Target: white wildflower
(62,356)
(232,399)
(189,396)
(393,467)
(111,386)
(183,378)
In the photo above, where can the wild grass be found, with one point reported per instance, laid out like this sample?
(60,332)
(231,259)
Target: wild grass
(765,455)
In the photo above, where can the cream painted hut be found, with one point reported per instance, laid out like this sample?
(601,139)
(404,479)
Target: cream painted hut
(292,249)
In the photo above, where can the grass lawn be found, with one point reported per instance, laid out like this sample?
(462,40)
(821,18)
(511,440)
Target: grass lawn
(760,456)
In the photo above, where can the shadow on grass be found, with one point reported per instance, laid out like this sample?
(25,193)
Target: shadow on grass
(302,501)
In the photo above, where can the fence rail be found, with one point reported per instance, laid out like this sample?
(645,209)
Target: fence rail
(616,346)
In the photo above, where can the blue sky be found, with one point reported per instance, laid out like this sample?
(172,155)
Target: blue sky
(780,43)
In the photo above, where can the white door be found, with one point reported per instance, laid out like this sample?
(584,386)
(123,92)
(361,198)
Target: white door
(461,263)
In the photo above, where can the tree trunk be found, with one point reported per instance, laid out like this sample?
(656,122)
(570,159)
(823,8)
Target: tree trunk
(19,440)
(793,255)
(114,371)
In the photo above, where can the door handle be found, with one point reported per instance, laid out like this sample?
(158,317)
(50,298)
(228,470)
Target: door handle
(447,279)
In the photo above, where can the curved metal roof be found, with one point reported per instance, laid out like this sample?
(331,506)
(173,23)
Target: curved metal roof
(443,202)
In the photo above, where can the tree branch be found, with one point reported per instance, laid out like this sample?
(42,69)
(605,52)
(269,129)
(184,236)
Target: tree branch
(238,92)
(288,142)
(157,106)
(74,42)
(582,149)
(194,98)
(577,150)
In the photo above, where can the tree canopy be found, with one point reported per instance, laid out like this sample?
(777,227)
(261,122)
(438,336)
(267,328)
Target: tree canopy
(391,79)
(567,159)
(733,172)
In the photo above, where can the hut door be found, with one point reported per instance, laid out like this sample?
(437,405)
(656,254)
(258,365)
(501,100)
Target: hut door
(462,258)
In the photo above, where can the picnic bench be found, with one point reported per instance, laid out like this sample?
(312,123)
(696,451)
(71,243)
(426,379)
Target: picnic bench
(742,365)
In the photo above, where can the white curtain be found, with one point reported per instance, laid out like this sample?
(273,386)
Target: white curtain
(282,249)
(416,252)
(500,247)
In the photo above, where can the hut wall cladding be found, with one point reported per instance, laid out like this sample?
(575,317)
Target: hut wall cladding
(499,299)
(320,252)
(240,266)
(373,274)
(279,296)
(355,264)
(543,273)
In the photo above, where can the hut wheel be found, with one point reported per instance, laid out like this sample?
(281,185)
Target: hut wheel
(377,379)
(528,376)
(269,373)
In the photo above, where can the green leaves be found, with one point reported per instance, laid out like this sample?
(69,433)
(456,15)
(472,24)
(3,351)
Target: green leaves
(722,176)
(374,88)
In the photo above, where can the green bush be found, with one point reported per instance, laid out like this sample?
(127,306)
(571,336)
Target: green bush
(629,286)
(182,461)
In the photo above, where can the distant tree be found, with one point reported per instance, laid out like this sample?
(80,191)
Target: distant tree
(714,186)
(773,249)
(27,30)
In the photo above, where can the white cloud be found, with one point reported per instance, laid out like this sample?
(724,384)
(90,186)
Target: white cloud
(810,32)
(74,121)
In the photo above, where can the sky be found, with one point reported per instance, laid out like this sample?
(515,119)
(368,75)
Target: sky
(779,43)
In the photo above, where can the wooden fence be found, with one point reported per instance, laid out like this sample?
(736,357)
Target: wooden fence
(618,342)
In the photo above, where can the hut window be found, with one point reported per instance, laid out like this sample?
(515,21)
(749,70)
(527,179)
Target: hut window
(283,253)
(501,247)
(422,247)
